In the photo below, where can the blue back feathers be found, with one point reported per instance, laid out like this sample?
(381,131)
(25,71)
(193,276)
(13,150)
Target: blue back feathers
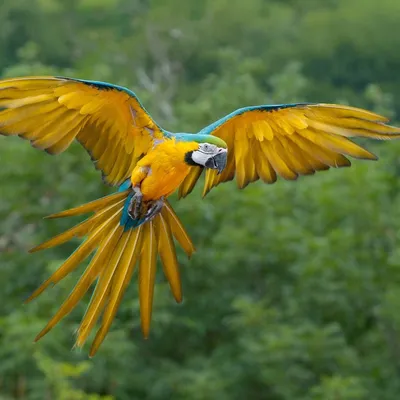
(126,220)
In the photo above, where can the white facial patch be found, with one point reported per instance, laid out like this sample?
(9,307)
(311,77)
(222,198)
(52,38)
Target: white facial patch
(200,158)
(205,151)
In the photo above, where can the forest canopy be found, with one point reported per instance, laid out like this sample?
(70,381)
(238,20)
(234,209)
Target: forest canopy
(294,291)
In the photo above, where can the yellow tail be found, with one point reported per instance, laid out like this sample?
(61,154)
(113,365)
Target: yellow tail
(117,251)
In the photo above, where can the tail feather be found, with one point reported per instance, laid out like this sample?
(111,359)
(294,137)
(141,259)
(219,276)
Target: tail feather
(120,282)
(91,273)
(93,206)
(79,255)
(177,229)
(147,275)
(167,252)
(81,229)
(116,253)
(102,290)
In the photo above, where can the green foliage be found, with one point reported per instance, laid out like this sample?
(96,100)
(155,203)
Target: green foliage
(295,289)
(57,385)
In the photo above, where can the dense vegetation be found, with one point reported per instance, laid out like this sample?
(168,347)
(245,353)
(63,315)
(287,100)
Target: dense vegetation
(295,289)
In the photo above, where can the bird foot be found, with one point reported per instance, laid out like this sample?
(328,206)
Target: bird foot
(155,208)
(135,204)
(139,210)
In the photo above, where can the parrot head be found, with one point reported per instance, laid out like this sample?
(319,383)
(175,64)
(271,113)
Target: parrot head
(209,156)
(211,152)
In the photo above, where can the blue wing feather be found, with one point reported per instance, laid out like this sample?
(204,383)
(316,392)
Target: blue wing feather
(103,85)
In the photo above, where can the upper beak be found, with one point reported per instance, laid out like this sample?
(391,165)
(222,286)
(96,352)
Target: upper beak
(218,161)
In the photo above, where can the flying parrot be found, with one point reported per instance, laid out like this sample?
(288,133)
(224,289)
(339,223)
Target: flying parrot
(136,224)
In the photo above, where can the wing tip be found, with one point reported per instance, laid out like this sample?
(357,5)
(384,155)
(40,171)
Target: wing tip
(372,115)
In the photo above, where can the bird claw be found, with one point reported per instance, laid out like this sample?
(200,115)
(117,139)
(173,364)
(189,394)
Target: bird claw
(135,209)
(155,208)
(135,204)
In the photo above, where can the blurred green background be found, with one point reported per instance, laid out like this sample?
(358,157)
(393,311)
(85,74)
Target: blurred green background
(294,292)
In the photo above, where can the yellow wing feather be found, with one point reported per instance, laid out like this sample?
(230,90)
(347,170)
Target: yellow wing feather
(52,112)
(288,141)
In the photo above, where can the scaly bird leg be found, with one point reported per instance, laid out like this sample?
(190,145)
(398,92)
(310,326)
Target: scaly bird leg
(155,209)
(135,203)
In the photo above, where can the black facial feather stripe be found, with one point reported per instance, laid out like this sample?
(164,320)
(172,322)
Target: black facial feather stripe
(189,159)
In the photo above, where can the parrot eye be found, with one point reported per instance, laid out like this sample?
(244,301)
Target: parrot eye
(207,148)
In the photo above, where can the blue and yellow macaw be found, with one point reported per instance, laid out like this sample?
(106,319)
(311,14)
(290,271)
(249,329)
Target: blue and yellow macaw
(147,164)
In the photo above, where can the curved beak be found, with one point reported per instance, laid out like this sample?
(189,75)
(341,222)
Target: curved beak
(218,161)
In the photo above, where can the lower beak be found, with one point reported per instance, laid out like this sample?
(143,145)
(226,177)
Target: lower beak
(218,161)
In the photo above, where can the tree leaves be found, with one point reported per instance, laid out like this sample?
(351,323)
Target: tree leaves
(294,290)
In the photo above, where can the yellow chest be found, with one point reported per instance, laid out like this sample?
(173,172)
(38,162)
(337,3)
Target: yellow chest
(166,169)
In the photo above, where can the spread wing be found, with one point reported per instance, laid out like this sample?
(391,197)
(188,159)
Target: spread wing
(289,140)
(108,120)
